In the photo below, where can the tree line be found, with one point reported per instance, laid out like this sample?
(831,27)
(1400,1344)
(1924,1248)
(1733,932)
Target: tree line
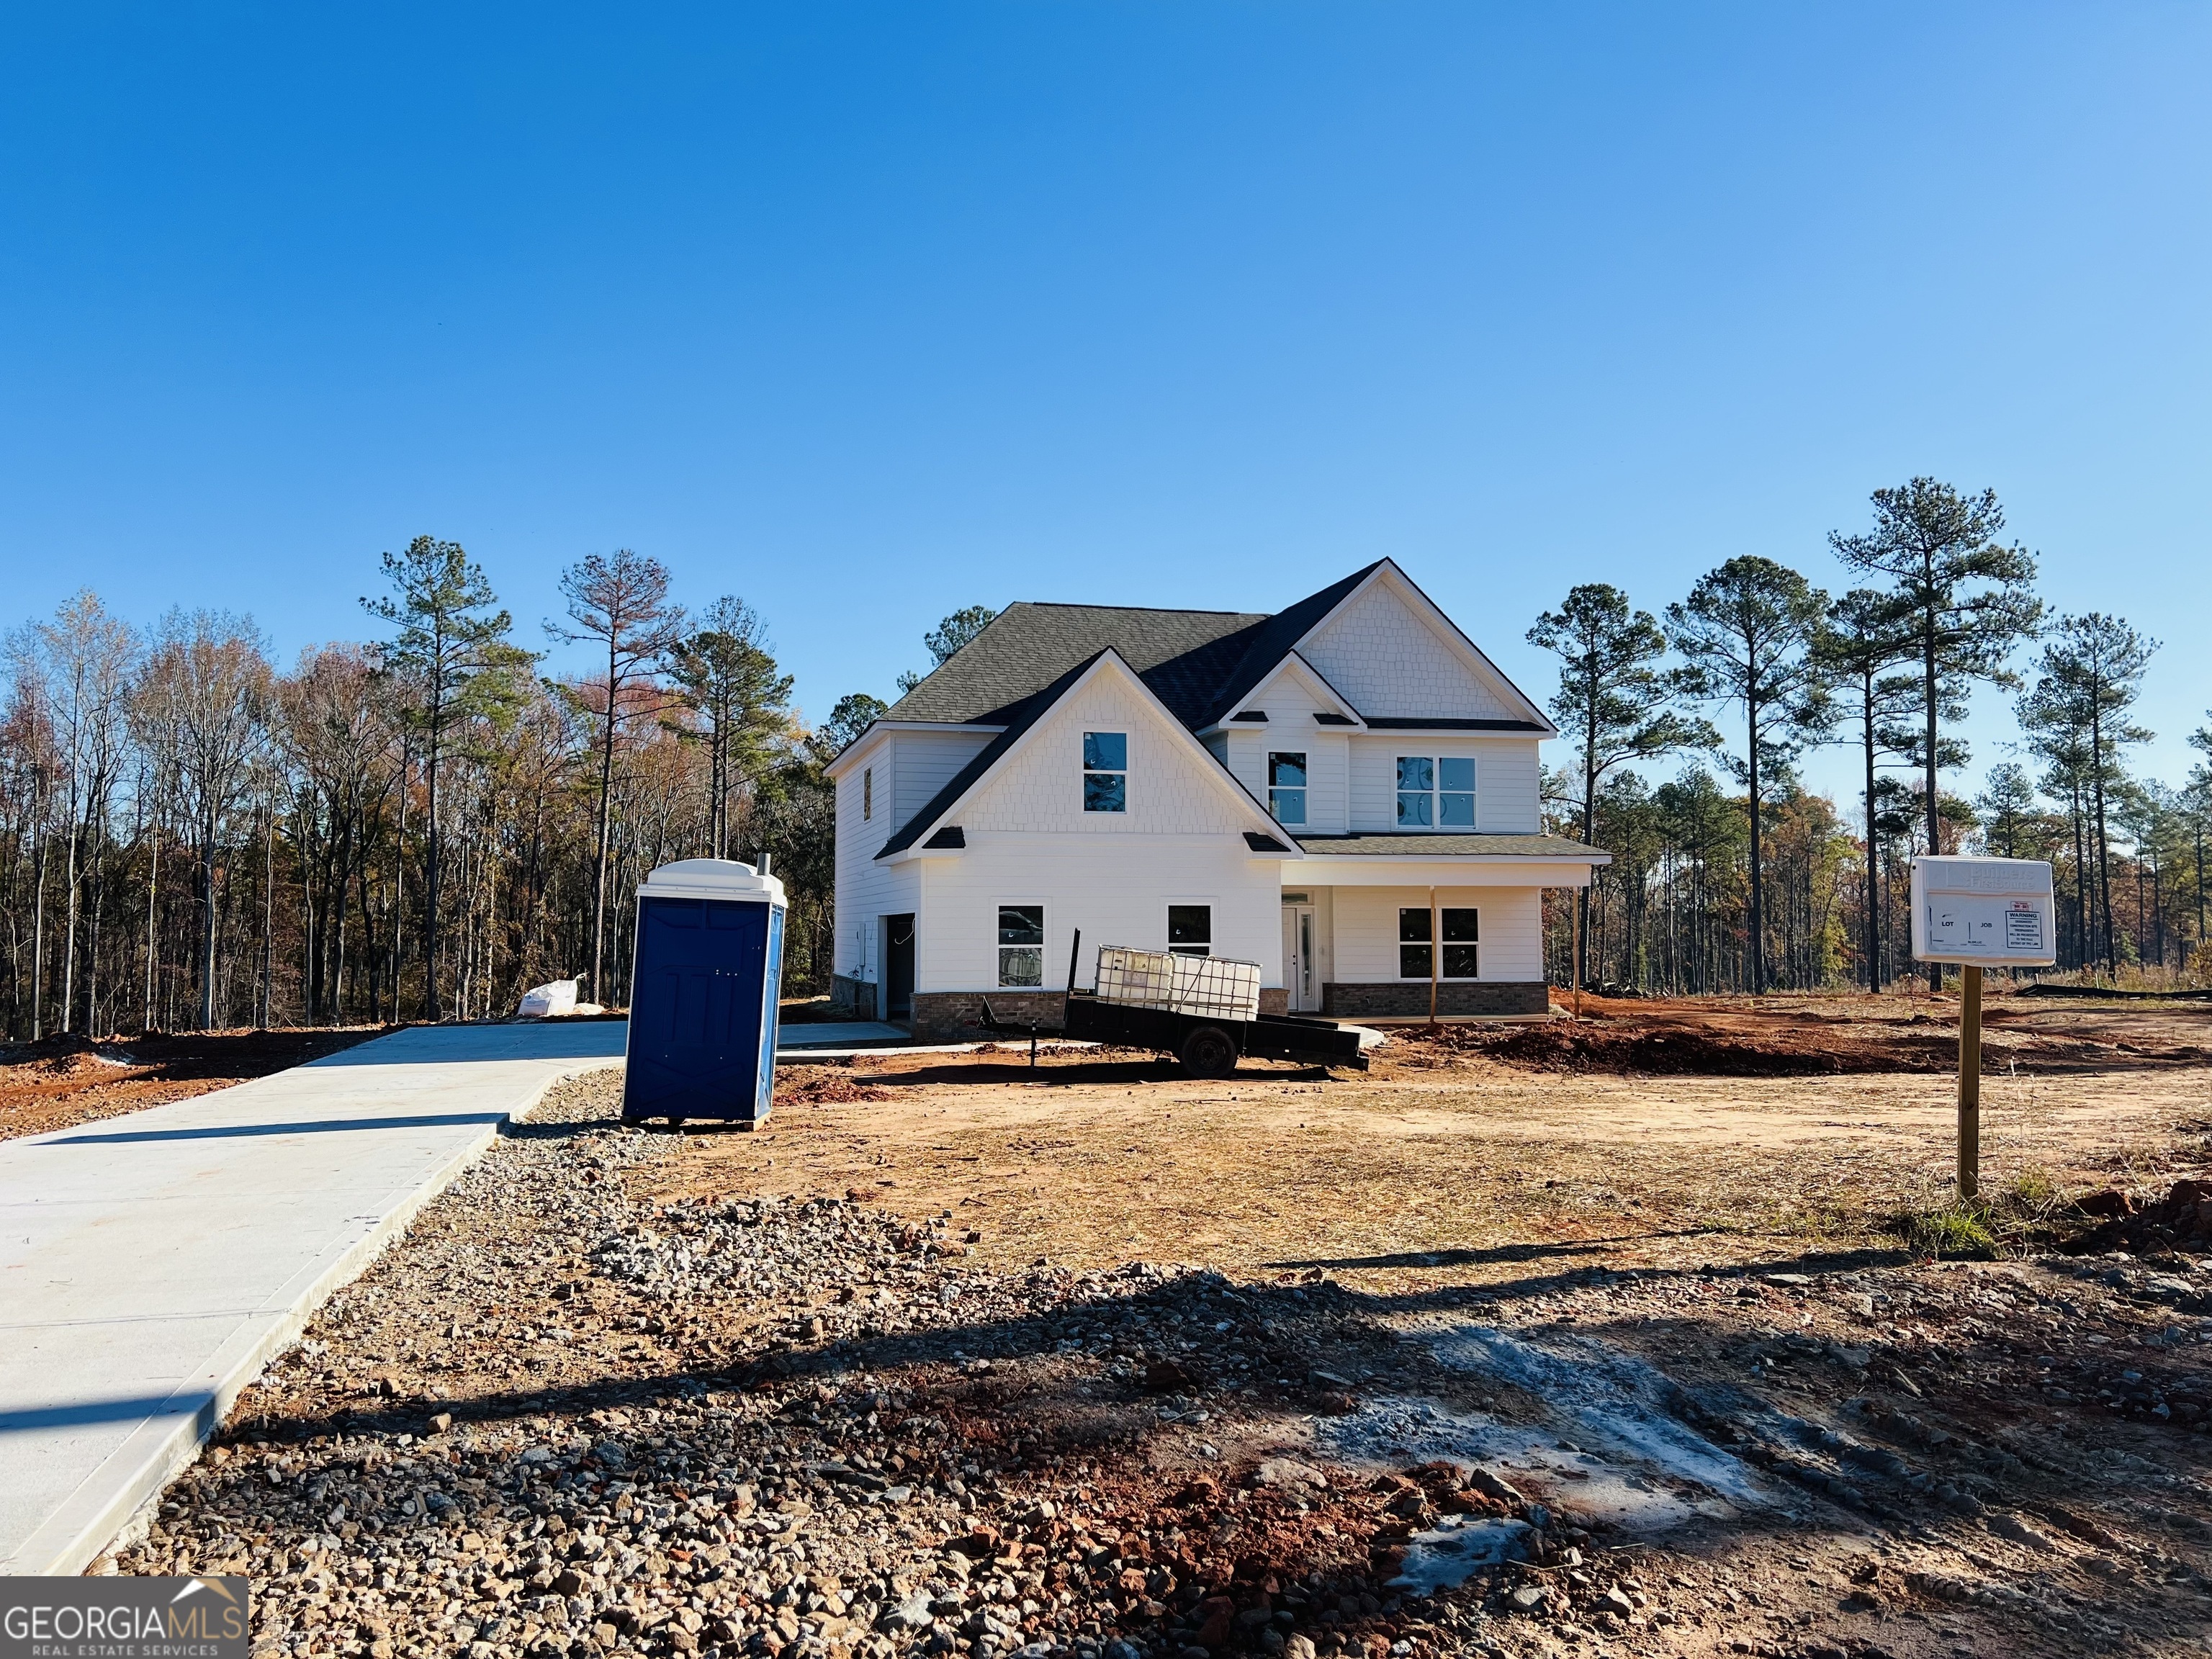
(1745,880)
(419,825)
(422,824)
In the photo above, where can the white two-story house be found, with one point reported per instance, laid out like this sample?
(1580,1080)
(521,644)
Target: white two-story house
(1323,791)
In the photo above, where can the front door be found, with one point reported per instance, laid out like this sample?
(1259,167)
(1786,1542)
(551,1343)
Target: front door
(898,968)
(1299,958)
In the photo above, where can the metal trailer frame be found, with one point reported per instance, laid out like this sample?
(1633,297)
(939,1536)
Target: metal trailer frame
(1208,1045)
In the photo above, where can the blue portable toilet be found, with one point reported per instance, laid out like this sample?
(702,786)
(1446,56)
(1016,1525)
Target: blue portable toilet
(702,1005)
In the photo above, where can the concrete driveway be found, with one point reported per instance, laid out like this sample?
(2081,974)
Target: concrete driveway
(151,1264)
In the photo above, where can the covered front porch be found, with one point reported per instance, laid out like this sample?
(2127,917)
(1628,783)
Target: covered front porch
(1398,926)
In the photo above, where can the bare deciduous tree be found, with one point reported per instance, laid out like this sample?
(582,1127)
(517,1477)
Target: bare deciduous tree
(207,681)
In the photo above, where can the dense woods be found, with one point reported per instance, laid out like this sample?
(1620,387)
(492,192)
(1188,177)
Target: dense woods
(421,824)
(416,825)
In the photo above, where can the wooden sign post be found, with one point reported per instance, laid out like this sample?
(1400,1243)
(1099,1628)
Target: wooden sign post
(1970,1080)
(1980,913)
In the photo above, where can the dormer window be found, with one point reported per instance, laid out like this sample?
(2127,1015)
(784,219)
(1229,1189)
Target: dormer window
(1436,791)
(1105,771)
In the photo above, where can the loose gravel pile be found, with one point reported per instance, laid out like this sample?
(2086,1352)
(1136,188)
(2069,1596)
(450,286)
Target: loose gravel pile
(558,1422)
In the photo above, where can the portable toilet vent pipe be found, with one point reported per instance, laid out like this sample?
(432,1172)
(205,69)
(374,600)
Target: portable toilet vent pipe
(703,994)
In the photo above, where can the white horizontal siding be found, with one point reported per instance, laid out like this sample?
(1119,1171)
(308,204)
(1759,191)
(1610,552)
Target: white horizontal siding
(866,888)
(1327,765)
(1365,934)
(1115,887)
(1508,782)
(923,762)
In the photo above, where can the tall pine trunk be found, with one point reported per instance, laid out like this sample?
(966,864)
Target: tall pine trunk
(1928,693)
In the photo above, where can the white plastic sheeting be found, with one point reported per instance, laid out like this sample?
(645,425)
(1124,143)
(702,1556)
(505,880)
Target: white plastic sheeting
(553,1001)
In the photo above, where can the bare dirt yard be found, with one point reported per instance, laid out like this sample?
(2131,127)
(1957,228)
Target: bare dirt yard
(1523,1342)
(66,1080)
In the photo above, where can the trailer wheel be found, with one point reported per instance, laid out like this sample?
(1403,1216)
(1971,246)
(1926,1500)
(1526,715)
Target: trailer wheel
(1209,1052)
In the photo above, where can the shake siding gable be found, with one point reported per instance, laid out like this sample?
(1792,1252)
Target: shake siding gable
(1390,664)
(1038,788)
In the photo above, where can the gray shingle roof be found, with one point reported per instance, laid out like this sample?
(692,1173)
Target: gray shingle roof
(1031,710)
(1184,656)
(1392,845)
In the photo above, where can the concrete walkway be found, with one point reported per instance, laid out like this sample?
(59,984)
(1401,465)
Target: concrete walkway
(150,1265)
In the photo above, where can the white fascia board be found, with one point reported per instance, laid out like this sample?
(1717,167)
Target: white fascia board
(849,756)
(1358,870)
(856,751)
(1445,629)
(915,854)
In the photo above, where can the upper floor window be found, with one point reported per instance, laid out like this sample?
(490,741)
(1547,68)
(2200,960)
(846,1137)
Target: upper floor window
(1190,929)
(1021,945)
(868,792)
(1286,787)
(1436,791)
(1461,931)
(1105,771)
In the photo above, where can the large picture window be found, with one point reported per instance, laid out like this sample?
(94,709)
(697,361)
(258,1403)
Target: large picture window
(1462,932)
(1436,791)
(1105,771)
(1190,929)
(1021,945)
(1286,787)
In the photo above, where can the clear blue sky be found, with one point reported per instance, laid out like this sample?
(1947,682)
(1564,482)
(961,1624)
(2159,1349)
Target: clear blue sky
(868,312)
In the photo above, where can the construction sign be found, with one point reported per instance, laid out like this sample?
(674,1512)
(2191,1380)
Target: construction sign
(1988,912)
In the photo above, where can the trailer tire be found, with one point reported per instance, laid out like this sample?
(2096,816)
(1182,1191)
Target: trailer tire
(1209,1052)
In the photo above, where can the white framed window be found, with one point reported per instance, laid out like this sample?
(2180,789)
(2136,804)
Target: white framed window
(867,792)
(1436,791)
(1021,946)
(1462,933)
(1286,787)
(1190,929)
(1105,771)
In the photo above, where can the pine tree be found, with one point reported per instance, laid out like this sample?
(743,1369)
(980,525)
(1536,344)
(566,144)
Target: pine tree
(1967,599)
(1746,634)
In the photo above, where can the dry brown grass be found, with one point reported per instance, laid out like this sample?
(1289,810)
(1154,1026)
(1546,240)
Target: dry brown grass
(1093,1162)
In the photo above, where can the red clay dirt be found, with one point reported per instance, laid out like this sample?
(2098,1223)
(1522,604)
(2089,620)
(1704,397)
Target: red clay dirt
(61,1081)
(1786,1036)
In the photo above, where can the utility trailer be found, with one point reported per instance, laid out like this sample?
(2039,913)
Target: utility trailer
(1205,1010)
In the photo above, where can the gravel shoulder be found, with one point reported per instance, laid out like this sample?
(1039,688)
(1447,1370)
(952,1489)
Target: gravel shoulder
(623,1392)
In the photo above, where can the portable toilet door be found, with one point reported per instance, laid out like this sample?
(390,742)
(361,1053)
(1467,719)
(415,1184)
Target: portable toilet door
(703,991)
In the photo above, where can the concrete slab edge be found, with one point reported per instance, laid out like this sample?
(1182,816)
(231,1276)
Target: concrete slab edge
(93,1520)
